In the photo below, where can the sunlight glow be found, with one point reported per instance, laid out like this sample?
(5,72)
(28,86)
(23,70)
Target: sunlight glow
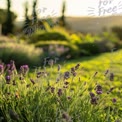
(76,8)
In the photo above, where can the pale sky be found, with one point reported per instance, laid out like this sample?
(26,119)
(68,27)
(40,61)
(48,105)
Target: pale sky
(75,8)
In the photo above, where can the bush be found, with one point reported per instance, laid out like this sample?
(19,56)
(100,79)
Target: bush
(59,48)
(21,53)
(89,48)
(118,32)
(46,36)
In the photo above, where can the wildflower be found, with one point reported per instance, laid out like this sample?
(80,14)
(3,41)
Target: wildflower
(66,75)
(106,72)
(9,72)
(8,79)
(111,89)
(74,74)
(77,66)
(24,69)
(1,69)
(66,117)
(99,89)
(8,66)
(66,83)
(32,81)
(94,99)
(48,88)
(52,89)
(39,74)
(95,74)
(111,76)
(69,98)
(72,69)
(12,65)
(114,100)
(59,92)
(92,94)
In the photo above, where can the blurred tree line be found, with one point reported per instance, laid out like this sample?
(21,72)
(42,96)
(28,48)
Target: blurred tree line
(7,18)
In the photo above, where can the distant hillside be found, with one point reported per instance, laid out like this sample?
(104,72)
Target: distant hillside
(90,24)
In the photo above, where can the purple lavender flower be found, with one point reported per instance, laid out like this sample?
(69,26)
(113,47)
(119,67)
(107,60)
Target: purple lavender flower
(8,79)
(66,83)
(95,74)
(32,81)
(66,75)
(24,69)
(8,66)
(92,94)
(69,98)
(114,100)
(94,99)
(59,92)
(52,89)
(72,69)
(111,76)
(77,66)
(99,89)
(106,72)
(39,74)
(12,65)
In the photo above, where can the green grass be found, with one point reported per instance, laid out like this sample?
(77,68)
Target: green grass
(54,98)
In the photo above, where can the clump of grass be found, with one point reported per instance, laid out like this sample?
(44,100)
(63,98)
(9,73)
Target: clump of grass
(56,95)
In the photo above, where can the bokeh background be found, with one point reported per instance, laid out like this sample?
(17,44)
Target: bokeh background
(31,30)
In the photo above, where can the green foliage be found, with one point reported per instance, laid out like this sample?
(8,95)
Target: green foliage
(21,53)
(54,97)
(109,36)
(8,24)
(89,49)
(62,49)
(45,36)
(3,15)
(117,31)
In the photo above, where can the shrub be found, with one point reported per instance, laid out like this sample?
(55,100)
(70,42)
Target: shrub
(21,53)
(89,48)
(46,36)
(59,48)
(118,32)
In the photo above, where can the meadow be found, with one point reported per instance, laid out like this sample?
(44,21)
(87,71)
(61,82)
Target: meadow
(88,89)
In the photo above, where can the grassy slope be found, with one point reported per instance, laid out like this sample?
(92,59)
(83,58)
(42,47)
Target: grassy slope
(90,65)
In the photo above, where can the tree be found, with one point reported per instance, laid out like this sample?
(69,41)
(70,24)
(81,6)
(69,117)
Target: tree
(34,15)
(62,18)
(8,24)
(27,20)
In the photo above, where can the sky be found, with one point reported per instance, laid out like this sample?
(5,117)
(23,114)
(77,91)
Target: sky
(75,8)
